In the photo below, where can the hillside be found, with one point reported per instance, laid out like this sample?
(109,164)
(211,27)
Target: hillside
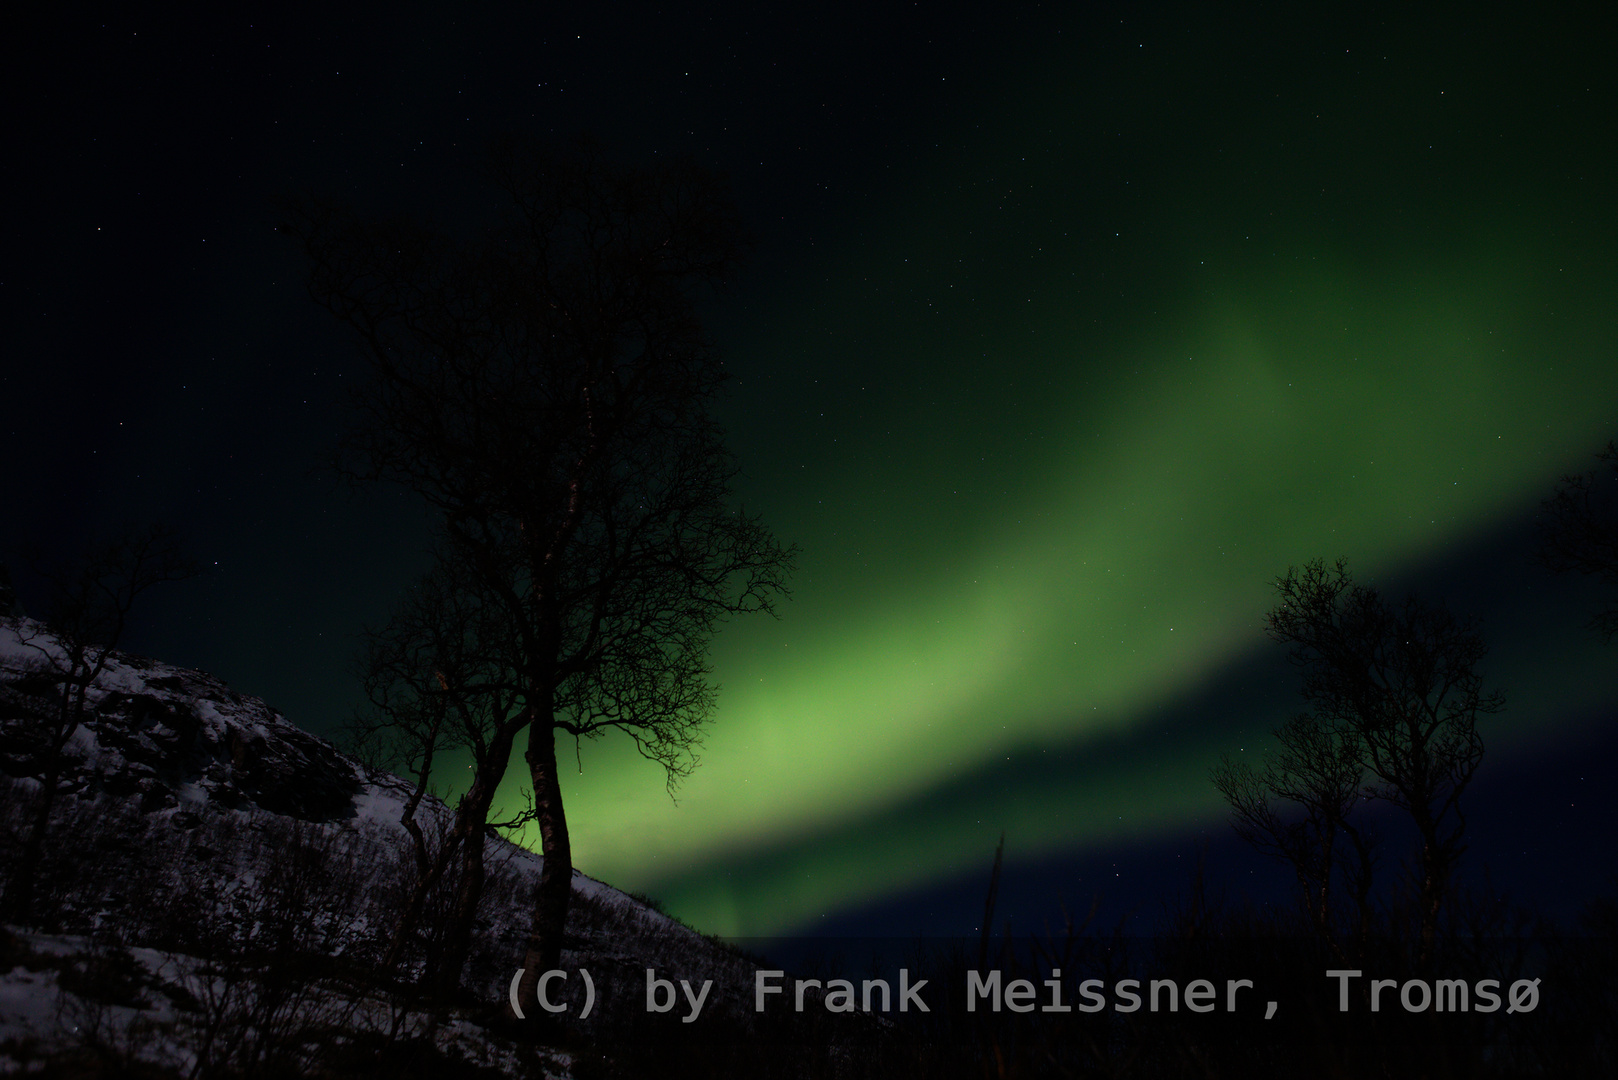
(219,884)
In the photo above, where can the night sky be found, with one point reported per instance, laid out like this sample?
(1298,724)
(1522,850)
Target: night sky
(1067,330)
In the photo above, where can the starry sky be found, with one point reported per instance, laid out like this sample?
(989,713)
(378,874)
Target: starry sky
(1067,330)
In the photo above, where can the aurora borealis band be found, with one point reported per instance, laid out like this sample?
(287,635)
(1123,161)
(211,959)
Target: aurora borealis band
(1115,554)
(1064,339)
(1058,469)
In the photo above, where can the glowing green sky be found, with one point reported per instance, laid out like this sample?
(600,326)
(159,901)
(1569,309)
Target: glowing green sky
(1069,328)
(1136,567)
(1033,512)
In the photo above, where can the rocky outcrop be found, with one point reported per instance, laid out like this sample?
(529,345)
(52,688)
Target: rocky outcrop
(172,737)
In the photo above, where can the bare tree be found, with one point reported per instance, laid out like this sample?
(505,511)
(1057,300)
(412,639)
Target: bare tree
(436,677)
(547,388)
(1579,533)
(87,610)
(1299,806)
(1399,688)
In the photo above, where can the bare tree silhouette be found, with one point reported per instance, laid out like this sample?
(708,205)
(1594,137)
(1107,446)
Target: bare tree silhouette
(1395,692)
(1298,806)
(436,680)
(547,388)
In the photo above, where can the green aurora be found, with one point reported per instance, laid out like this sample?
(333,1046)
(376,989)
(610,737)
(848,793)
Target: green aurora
(1043,473)
(1070,328)
(1073,371)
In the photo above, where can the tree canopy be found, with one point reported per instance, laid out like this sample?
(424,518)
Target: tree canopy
(547,387)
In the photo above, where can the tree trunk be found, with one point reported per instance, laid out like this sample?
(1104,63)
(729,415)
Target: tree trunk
(475,808)
(458,942)
(1431,896)
(555,889)
(1365,872)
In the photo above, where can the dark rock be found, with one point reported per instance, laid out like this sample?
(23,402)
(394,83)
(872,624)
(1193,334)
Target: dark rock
(194,731)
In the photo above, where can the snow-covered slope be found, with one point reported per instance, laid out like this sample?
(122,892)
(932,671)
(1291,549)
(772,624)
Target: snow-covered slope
(177,739)
(192,818)
(180,742)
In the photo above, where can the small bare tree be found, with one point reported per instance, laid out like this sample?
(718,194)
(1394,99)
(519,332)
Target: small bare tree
(87,611)
(435,677)
(1396,693)
(1299,806)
